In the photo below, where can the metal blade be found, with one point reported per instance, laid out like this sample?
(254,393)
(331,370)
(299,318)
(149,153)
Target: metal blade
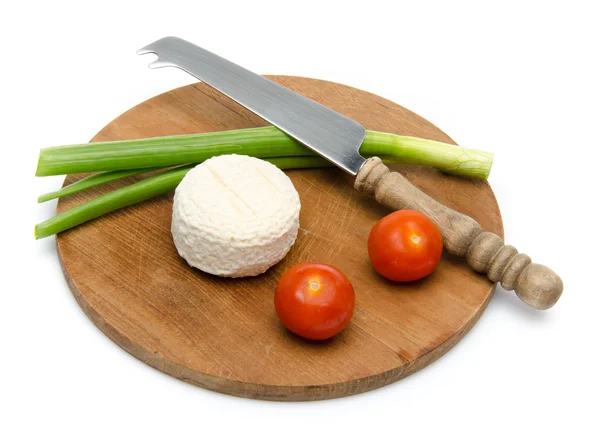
(330,134)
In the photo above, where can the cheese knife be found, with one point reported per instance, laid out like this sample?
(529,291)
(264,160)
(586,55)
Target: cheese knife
(338,138)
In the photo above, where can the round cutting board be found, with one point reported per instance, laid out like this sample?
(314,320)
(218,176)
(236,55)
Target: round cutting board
(223,334)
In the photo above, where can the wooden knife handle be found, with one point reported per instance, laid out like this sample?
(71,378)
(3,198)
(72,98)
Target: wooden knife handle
(535,284)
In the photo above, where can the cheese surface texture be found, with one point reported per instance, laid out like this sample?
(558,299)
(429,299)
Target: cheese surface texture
(235,216)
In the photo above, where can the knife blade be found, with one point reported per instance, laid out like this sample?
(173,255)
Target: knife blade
(330,134)
(338,138)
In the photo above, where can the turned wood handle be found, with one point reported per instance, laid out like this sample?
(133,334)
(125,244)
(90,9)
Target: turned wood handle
(535,284)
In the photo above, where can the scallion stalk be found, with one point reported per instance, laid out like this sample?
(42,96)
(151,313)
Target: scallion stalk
(266,142)
(91,181)
(147,188)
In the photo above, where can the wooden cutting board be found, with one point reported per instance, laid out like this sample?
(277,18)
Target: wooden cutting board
(223,334)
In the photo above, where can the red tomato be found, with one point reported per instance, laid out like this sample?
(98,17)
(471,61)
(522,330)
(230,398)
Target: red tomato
(405,246)
(315,301)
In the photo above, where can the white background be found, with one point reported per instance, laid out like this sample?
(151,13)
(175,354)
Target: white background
(520,79)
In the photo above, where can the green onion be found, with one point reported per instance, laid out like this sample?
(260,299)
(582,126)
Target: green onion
(91,181)
(155,185)
(266,142)
(109,176)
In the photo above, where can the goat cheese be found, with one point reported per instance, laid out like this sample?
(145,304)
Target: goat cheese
(235,216)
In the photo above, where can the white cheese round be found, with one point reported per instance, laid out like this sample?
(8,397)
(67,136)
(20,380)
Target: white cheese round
(235,216)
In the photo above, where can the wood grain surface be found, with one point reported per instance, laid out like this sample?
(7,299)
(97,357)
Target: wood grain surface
(223,334)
